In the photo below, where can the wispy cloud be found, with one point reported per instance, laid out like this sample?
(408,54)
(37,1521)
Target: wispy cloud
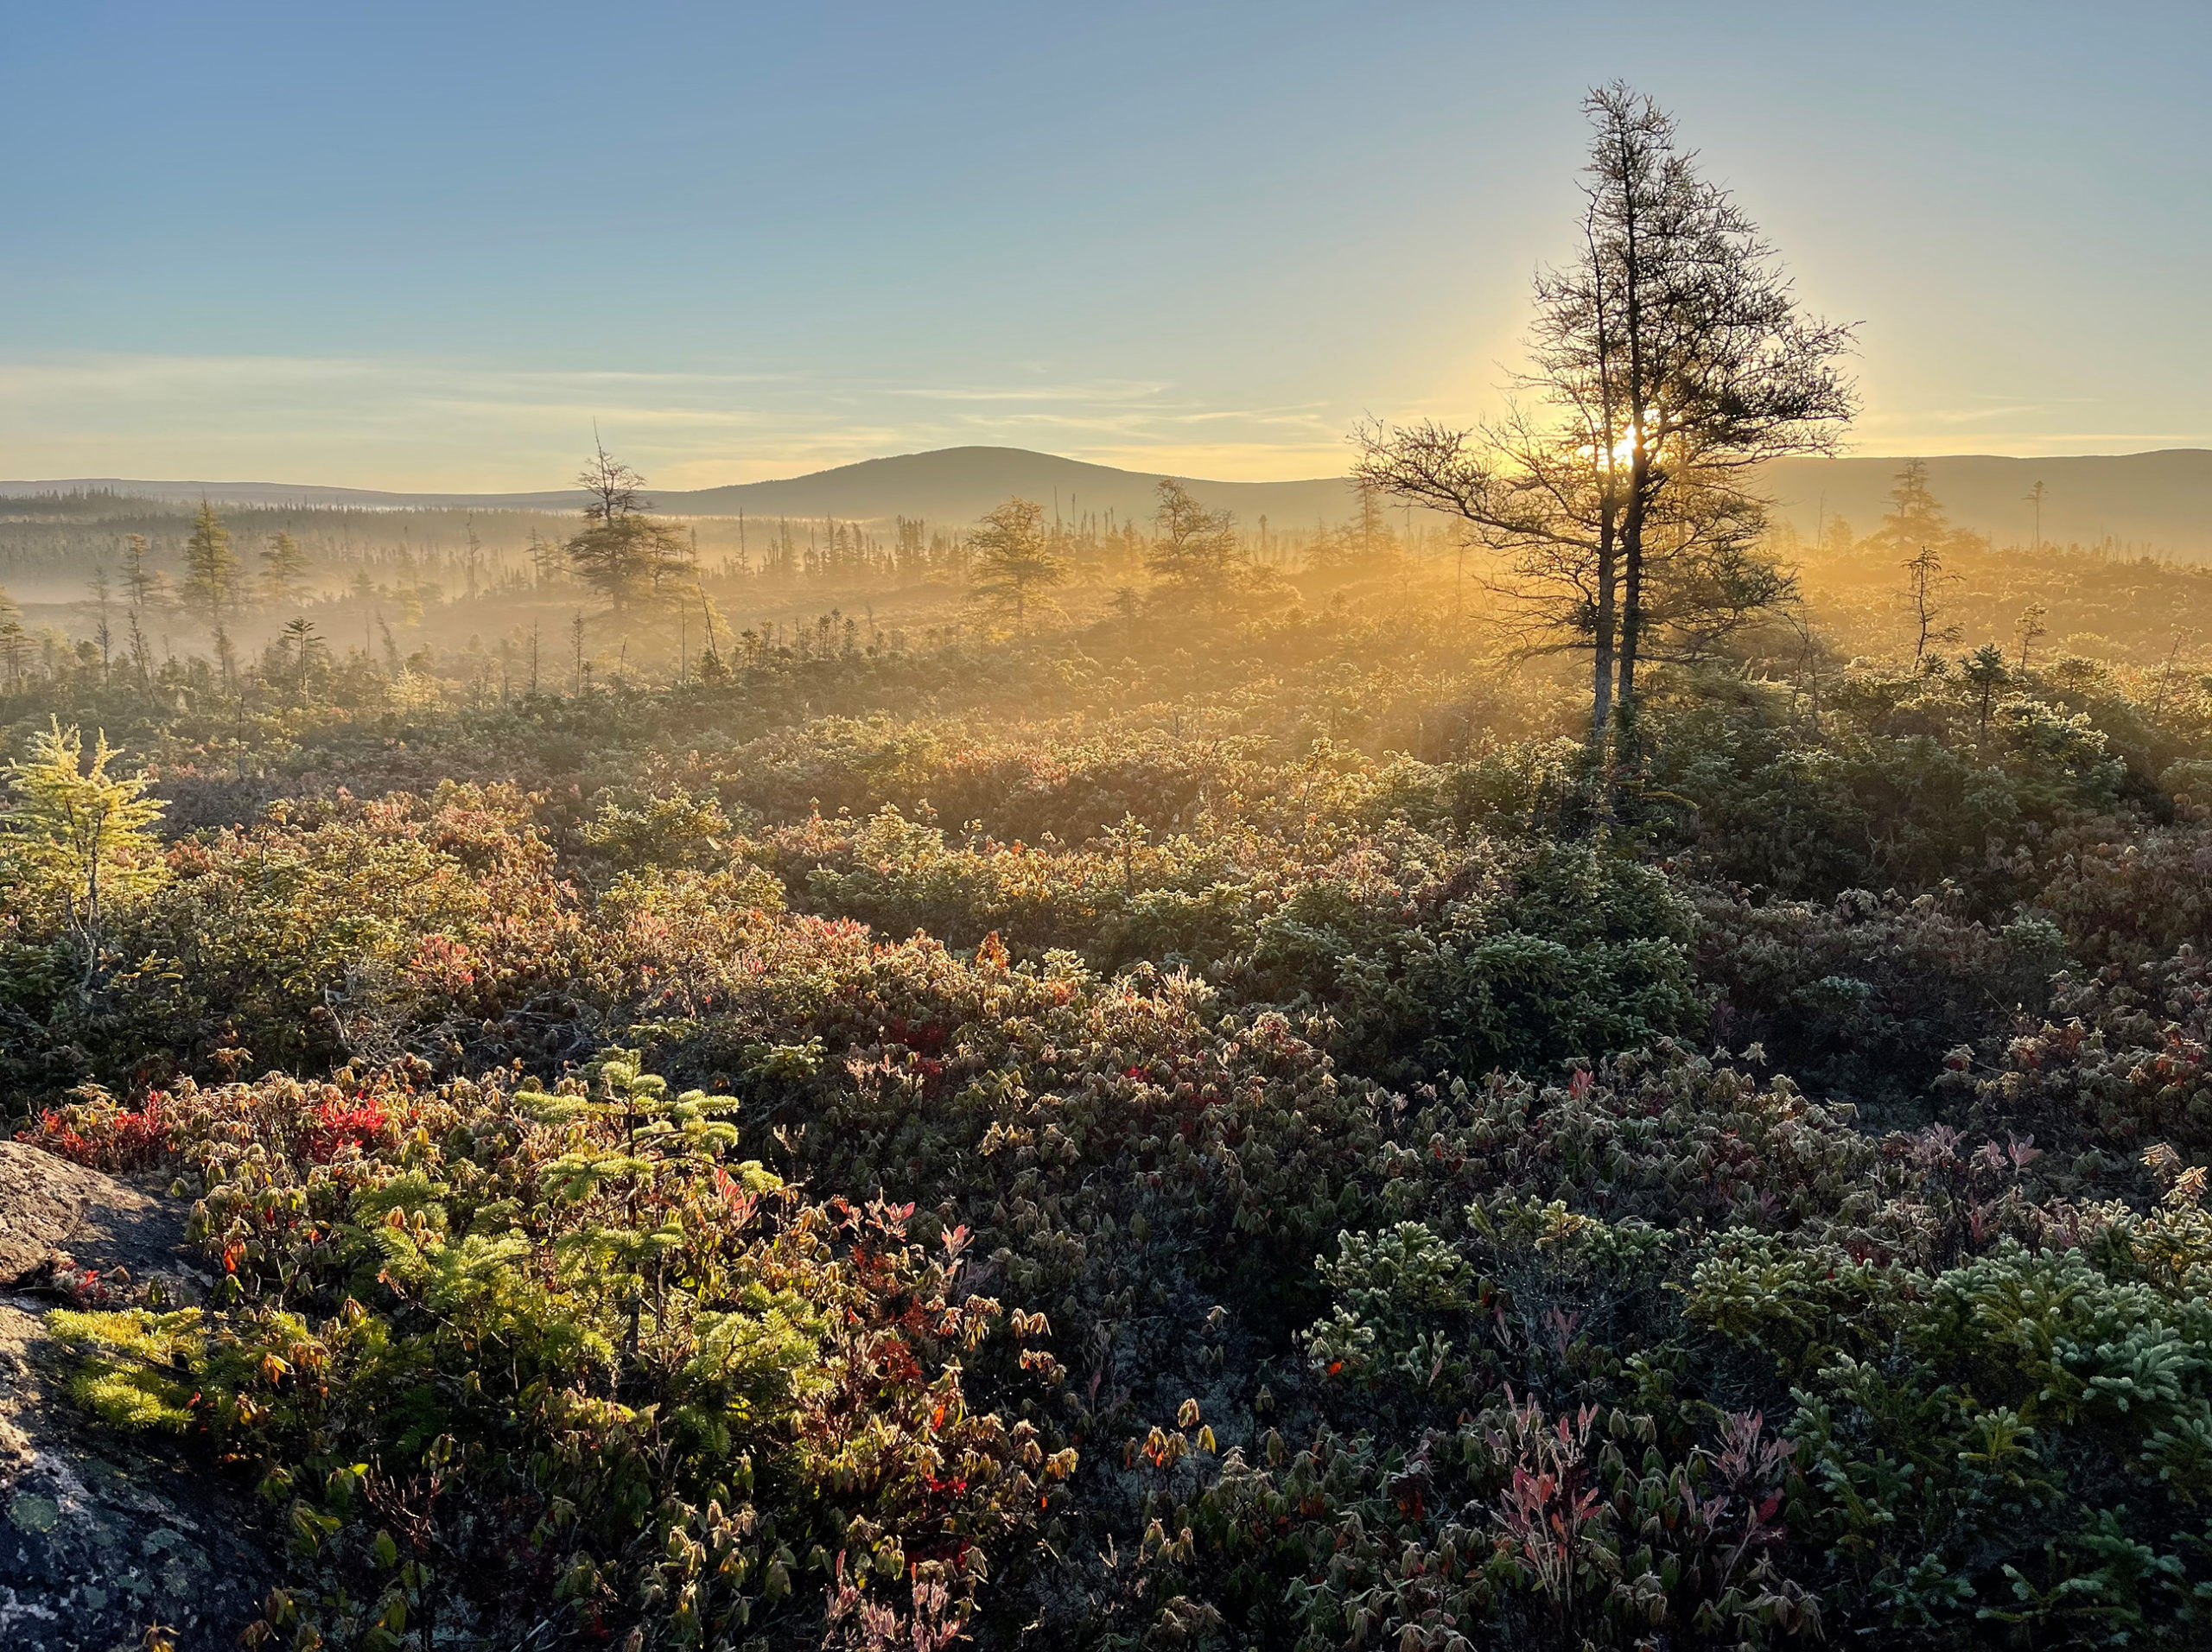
(436,423)
(439,423)
(1092,393)
(2030,427)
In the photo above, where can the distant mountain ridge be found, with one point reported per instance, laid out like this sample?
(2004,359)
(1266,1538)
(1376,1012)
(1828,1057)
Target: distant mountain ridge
(949,485)
(2158,501)
(2143,502)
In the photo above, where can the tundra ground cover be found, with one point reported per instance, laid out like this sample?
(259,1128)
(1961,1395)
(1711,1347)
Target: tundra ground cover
(878,1150)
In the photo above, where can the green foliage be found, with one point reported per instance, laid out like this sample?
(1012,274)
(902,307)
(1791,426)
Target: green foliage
(1430,951)
(633,560)
(212,569)
(77,841)
(1195,556)
(138,1367)
(671,829)
(1224,1147)
(1013,561)
(528,1332)
(1912,779)
(1864,996)
(2120,1064)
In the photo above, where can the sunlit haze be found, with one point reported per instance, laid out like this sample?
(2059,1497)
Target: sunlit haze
(426,246)
(968,828)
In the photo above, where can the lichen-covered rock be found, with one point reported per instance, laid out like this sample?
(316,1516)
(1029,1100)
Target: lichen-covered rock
(43,1201)
(100,1537)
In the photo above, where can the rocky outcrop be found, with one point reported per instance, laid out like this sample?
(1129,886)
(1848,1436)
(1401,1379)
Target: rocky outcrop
(101,1537)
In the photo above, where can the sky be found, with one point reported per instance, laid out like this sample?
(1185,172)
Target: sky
(427,247)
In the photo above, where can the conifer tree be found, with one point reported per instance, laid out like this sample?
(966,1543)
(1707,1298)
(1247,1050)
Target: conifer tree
(1012,560)
(102,634)
(283,571)
(2030,629)
(15,643)
(211,567)
(1194,554)
(548,560)
(1984,670)
(1915,520)
(142,663)
(620,552)
(146,588)
(302,648)
(77,838)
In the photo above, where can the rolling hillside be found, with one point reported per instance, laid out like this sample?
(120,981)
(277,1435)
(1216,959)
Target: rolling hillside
(2159,502)
(951,485)
(2152,501)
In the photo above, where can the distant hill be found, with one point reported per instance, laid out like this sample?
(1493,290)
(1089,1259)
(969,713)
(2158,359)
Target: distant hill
(2150,501)
(960,484)
(291,494)
(2144,501)
(950,485)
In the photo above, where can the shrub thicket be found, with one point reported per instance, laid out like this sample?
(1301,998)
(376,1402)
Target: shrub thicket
(876,1149)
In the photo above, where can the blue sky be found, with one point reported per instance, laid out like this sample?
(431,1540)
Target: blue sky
(425,246)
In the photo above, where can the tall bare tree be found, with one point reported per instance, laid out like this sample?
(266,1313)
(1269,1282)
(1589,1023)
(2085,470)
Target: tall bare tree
(615,489)
(1665,360)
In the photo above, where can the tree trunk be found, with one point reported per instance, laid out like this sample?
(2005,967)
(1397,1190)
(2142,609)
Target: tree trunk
(1631,587)
(1607,620)
(1639,462)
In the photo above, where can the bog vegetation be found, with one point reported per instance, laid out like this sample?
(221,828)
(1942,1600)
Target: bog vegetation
(1619,1090)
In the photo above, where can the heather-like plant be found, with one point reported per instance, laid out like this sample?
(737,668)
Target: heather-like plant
(495,1347)
(1167,1135)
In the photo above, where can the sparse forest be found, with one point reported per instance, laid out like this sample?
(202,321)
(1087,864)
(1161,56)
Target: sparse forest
(1558,1068)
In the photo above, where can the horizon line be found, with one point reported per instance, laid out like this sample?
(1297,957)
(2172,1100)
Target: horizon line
(85,483)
